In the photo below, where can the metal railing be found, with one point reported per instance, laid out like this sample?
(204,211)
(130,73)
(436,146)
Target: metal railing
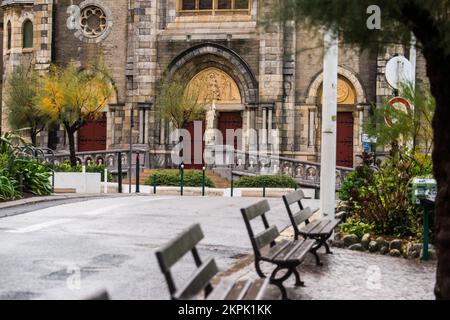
(306,173)
(109,158)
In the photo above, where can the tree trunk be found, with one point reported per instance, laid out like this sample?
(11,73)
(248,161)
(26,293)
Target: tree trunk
(33,135)
(438,69)
(71,137)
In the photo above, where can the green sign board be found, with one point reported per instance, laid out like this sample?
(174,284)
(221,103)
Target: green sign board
(423,188)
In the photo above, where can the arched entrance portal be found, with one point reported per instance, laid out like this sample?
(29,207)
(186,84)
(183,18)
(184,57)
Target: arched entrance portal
(222,98)
(347,125)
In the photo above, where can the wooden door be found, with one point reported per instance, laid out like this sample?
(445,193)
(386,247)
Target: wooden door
(345,137)
(92,136)
(196,157)
(230,121)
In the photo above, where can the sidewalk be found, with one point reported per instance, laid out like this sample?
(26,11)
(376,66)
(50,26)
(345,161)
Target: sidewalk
(350,275)
(56,197)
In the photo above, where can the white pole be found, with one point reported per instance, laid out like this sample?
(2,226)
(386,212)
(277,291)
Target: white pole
(329,127)
(106,181)
(413,59)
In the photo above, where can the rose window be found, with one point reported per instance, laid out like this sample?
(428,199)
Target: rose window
(93,21)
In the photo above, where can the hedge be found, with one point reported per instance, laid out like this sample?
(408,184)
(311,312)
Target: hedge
(266,181)
(172,178)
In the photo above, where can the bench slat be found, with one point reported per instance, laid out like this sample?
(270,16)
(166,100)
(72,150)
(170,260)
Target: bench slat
(177,248)
(275,251)
(320,226)
(311,226)
(257,291)
(239,291)
(266,237)
(256,210)
(294,197)
(279,254)
(300,252)
(302,216)
(327,226)
(222,290)
(201,278)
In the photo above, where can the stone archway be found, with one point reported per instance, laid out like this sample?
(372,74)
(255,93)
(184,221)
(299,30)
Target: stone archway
(210,55)
(314,90)
(351,99)
(231,90)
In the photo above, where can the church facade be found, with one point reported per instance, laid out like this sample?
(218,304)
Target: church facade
(259,77)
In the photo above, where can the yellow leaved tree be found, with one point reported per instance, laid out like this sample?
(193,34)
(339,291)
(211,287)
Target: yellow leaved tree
(73,96)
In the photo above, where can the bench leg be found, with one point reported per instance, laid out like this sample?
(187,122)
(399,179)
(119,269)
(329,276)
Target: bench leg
(279,282)
(323,243)
(327,247)
(316,255)
(258,269)
(298,280)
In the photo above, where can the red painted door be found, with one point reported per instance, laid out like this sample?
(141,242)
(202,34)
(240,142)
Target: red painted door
(345,137)
(92,136)
(197,145)
(230,121)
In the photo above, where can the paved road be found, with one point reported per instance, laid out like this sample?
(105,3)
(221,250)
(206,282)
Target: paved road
(110,243)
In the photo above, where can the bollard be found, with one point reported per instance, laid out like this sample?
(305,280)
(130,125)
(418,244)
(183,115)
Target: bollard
(182,179)
(154,183)
(138,173)
(203,181)
(232,185)
(264,191)
(106,181)
(317,192)
(119,170)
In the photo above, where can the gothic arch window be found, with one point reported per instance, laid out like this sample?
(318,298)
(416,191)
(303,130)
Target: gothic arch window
(27,34)
(214,6)
(8,35)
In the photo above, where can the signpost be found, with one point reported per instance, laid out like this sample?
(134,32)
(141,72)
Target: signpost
(329,126)
(424,192)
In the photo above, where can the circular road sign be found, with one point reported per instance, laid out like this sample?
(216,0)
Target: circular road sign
(399,70)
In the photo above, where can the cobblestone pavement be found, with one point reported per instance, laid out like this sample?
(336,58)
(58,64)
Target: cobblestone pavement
(349,275)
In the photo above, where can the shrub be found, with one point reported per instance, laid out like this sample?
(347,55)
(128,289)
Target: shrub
(266,181)
(8,189)
(380,195)
(32,176)
(19,172)
(172,178)
(358,228)
(93,168)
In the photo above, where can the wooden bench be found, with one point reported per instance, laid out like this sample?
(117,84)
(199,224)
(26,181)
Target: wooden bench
(101,295)
(201,280)
(285,255)
(320,230)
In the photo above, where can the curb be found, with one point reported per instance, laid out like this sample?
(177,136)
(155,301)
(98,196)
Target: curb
(35,200)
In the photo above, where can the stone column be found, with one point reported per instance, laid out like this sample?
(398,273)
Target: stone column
(264,126)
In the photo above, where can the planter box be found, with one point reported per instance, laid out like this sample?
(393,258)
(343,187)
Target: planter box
(81,182)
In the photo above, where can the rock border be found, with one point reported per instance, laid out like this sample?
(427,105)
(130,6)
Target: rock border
(379,245)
